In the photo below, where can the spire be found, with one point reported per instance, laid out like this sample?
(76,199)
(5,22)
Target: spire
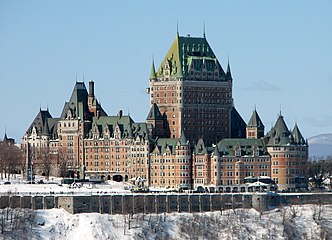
(228,72)
(153,71)
(216,151)
(204,30)
(183,139)
(177,28)
(5,138)
(296,133)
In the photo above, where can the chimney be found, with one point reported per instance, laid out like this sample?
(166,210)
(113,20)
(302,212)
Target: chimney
(120,114)
(91,88)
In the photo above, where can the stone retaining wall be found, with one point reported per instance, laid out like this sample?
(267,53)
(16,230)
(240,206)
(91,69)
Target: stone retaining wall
(161,203)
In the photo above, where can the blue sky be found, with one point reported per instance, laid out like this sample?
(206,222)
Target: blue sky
(280,54)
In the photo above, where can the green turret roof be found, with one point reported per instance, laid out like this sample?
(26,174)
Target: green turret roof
(216,151)
(186,52)
(183,139)
(153,72)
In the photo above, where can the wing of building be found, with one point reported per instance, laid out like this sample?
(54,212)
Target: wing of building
(193,136)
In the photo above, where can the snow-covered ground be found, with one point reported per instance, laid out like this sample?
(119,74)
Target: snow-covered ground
(52,186)
(294,222)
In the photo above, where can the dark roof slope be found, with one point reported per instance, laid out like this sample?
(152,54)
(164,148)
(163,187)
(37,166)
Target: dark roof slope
(238,125)
(255,120)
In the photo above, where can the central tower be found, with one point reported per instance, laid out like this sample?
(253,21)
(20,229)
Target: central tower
(192,91)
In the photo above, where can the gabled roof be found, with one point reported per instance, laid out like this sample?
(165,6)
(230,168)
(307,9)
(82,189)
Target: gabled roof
(186,51)
(200,147)
(128,128)
(166,143)
(154,113)
(255,120)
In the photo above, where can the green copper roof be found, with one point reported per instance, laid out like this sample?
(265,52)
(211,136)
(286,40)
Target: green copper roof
(216,151)
(183,139)
(163,143)
(227,146)
(128,128)
(187,51)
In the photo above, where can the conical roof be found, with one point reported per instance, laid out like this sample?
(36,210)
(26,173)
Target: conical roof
(296,133)
(183,139)
(280,135)
(216,151)
(153,72)
(5,138)
(228,73)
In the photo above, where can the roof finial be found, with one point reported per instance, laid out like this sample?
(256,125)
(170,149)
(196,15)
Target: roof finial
(204,29)
(280,115)
(76,77)
(177,28)
(83,77)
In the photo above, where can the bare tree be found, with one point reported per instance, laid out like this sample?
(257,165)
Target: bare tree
(11,159)
(46,161)
(318,171)
(63,162)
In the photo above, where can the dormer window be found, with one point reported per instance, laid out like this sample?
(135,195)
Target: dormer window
(238,152)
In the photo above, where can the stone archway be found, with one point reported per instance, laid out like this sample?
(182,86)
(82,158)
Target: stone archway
(117,178)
